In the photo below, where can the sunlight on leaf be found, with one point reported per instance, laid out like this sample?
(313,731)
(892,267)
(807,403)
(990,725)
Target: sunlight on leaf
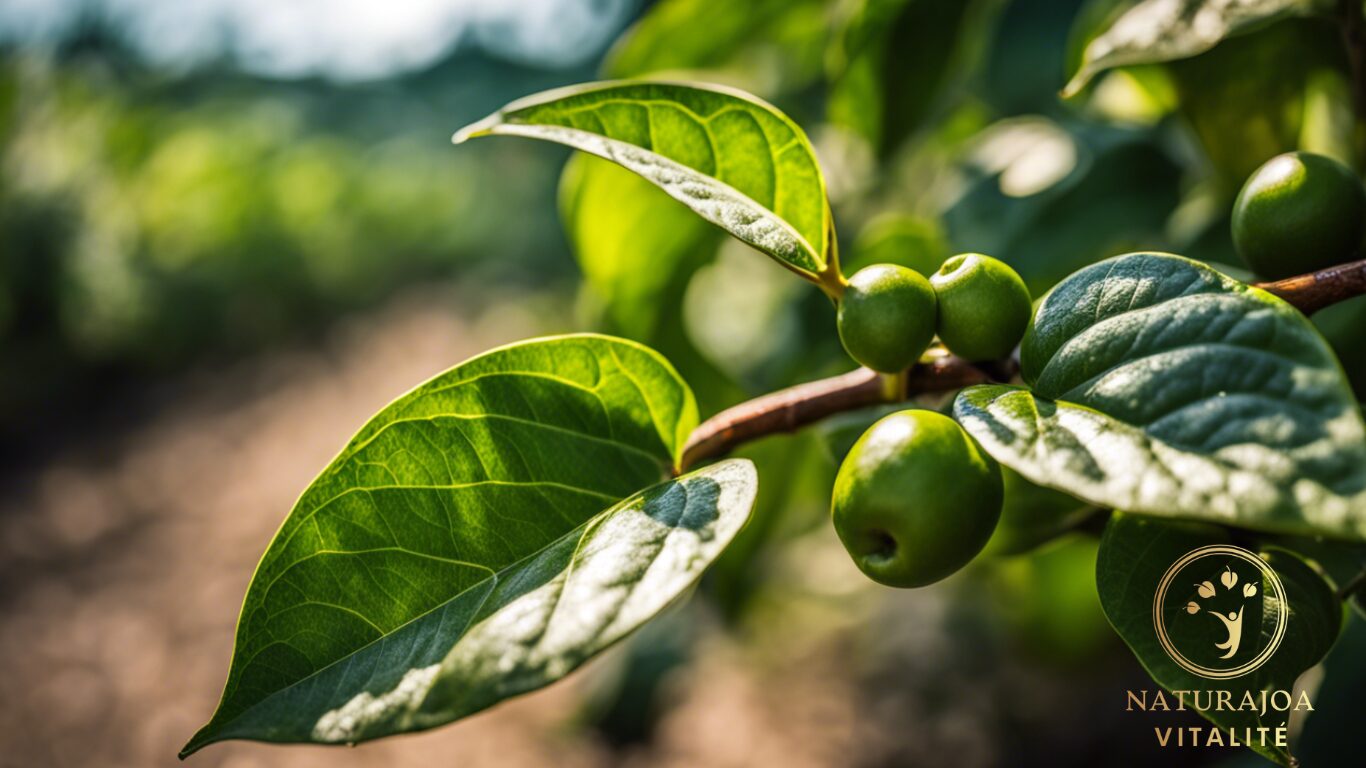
(734,160)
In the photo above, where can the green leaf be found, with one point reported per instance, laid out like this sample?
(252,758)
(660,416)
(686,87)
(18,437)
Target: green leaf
(1163,387)
(635,297)
(768,45)
(1166,30)
(640,254)
(734,160)
(1032,515)
(1333,732)
(894,61)
(1135,554)
(1247,100)
(472,543)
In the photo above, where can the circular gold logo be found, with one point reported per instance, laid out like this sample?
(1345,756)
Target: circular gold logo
(1220,612)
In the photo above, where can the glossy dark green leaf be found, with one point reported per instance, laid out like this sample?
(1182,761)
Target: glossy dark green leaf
(1163,387)
(1134,555)
(734,160)
(1165,30)
(480,537)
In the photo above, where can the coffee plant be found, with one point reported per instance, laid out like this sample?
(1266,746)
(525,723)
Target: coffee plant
(493,529)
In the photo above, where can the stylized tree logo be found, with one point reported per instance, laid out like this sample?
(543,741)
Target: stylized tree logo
(1232,620)
(1236,588)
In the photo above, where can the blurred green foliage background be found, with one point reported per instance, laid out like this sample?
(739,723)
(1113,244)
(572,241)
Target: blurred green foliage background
(160,212)
(155,216)
(155,213)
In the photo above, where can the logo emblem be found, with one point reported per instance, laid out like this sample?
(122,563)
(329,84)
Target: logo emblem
(1220,612)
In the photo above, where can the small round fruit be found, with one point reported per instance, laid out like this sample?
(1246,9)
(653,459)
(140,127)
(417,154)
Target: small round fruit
(1299,212)
(886,317)
(915,499)
(984,306)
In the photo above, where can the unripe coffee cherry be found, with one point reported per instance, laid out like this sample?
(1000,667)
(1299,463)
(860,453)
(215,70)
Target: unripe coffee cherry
(1299,212)
(984,306)
(915,499)
(886,317)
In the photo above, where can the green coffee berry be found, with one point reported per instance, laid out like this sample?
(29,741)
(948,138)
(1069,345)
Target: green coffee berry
(915,499)
(1299,212)
(886,317)
(984,306)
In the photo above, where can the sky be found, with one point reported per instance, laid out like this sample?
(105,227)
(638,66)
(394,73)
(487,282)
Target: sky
(341,39)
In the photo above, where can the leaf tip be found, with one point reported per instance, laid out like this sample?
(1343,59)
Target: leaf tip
(475,130)
(202,738)
(1076,84)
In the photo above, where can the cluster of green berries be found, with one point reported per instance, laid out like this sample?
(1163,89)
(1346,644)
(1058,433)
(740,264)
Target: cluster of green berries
(916,498)
(889,314)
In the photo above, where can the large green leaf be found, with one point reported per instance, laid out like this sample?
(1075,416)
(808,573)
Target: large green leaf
(472,543)
(1163,387)
(734,160)
(1134,555)
(1165,30)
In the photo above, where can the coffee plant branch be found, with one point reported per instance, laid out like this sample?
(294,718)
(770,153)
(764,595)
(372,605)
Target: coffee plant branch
(790,409)
(1311,292)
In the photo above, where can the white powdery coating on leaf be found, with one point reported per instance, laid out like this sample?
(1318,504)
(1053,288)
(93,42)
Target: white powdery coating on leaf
(347,722)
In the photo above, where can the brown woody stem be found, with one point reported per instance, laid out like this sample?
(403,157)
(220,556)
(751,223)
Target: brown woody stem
(790,409)
(1316,290)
